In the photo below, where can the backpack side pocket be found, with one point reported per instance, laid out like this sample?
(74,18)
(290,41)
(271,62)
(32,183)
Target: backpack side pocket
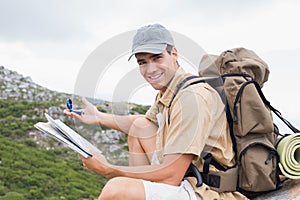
(258,167)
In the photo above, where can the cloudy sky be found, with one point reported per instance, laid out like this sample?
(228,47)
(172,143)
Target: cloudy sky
(51,40)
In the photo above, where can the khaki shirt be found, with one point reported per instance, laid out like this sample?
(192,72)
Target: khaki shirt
(195,121)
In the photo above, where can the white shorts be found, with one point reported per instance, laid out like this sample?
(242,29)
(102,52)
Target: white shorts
(160,191)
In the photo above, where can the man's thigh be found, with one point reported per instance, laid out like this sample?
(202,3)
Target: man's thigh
(159,191)
(141,142)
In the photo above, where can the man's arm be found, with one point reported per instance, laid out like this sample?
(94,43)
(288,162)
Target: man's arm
(121,123)
(171,171)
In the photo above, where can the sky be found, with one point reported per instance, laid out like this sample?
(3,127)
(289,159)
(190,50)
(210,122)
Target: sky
(52,41)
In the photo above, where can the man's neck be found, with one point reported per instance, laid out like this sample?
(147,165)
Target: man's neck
(162,91)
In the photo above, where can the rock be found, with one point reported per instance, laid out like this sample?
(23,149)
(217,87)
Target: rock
(23,117)
(289,190)
(15,86)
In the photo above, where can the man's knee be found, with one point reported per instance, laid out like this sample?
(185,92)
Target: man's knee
(142,128)
(123,188)
(142,135)
(110,190)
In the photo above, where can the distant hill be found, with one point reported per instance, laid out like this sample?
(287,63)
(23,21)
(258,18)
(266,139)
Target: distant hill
(33,165)
(15,86)
(34,100)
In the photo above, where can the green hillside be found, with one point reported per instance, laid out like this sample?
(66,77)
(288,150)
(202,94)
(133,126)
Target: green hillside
(30,171)
(35,166)
(34,173)
(41,169)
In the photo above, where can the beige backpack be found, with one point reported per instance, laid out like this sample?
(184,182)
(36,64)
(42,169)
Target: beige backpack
(250,120)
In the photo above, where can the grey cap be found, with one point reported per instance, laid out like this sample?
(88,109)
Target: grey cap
(151,39)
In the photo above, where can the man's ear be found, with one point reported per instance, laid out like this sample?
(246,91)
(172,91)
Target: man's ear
(174,53)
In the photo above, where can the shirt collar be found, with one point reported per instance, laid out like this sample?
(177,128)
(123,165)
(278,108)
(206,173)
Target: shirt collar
(167,96)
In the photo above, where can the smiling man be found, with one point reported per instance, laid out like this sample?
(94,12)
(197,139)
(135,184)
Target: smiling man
(167,139)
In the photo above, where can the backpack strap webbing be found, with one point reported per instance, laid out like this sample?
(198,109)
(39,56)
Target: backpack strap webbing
(178,87)
(214,82)
(230,124)
(193,171)
(266,102)
(279,115)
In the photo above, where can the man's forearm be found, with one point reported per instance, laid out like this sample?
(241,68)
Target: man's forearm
(171,172)
(121,123)
(154,173)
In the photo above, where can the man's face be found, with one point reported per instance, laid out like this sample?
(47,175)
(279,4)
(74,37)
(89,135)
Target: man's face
(158,69)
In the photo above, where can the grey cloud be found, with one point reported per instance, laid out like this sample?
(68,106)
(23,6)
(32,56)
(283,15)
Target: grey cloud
(44,20)
(65,20)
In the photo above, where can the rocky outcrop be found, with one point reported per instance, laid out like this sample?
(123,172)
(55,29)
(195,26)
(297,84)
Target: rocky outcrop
(17,87)
(14,86)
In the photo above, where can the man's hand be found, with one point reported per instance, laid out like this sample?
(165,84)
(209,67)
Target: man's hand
(89,115)
(97,165)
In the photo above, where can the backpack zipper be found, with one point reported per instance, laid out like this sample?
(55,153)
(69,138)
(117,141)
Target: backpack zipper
(273,152)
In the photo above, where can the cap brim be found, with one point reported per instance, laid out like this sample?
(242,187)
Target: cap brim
(149,48)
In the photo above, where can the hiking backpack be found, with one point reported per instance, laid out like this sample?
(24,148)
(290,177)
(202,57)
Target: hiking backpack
(238,75)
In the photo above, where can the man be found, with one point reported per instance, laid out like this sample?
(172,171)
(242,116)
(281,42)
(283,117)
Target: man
(164,142)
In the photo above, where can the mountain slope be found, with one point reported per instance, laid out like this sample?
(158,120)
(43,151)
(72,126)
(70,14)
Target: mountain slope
(34,166)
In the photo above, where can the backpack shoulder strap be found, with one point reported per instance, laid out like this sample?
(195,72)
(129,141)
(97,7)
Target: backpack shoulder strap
(182,85)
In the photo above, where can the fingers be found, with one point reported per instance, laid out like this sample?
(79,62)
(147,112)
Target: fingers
(82,159)
(71,114)
(86,162)
(67,112)
(75,115)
